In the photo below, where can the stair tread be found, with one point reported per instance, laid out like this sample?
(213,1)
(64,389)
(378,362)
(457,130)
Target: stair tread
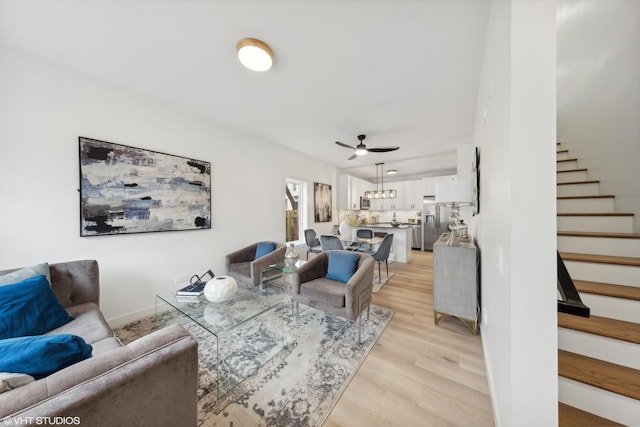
(601,259)
(567,160)
(595,196)
(595,214)
(577,182)
(607,289)
(568,416)
(573,170)
(597,373)
(599,234)
(603,326)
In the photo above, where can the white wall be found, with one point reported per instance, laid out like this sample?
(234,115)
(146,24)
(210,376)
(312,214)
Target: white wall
(515,131)
(45,107)
(599,94)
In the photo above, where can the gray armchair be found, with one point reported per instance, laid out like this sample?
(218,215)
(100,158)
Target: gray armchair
(311,287)
(243,266)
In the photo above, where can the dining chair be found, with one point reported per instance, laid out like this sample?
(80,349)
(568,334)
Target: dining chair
(382,254)
(363,233)
(311,239)
(330,243)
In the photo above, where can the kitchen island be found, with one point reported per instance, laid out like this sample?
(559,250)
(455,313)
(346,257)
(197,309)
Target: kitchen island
(401,248)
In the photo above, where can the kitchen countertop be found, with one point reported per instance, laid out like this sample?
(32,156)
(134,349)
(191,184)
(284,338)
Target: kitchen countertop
(388,225)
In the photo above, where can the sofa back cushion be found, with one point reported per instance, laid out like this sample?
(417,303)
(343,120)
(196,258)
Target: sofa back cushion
(264,248)
(342,265)
(25,273)
(42,355)
(30,307)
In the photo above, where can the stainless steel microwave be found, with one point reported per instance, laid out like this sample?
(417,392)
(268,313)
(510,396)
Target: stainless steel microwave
(365,203)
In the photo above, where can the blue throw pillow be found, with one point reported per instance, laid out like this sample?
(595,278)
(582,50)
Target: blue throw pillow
(30,307)
(264,248)
(342,265)
(42,355)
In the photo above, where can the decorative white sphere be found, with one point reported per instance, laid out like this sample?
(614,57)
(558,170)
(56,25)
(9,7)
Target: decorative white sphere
(220,288)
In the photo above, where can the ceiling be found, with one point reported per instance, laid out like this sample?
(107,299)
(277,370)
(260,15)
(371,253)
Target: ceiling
(402,72)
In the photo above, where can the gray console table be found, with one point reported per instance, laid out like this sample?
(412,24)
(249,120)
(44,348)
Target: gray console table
(455,282)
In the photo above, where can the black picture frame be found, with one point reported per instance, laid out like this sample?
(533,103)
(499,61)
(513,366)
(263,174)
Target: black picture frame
(126,190)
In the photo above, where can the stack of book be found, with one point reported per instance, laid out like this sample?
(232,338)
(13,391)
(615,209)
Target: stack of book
(190,292)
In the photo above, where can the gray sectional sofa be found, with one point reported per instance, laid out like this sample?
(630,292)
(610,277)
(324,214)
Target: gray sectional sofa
(150,382)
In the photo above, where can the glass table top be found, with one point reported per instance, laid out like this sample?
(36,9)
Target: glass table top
(221,317)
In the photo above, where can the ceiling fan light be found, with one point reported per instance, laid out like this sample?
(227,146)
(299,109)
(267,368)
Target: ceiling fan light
(254,54)
(361,150)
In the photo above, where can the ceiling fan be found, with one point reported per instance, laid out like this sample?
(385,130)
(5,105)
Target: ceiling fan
(361,149)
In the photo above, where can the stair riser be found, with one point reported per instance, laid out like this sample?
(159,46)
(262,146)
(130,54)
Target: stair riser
(621,409)
(590,189)
(602,224)
(604,273)
(567,165)
(613,308)
(571,176)
(562,156)
(602,348)
(600,205)
(598,245)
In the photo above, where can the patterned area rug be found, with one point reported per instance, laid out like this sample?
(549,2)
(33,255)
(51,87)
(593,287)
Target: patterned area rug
(297,366)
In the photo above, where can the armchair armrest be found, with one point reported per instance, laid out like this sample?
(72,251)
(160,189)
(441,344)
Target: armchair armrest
(360,283)
(241,255)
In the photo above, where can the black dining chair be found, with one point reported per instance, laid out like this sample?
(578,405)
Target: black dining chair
(329,243)
(313,244)
(382,254)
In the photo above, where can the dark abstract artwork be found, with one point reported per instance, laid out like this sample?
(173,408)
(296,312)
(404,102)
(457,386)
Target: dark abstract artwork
(322,202)
(127,190)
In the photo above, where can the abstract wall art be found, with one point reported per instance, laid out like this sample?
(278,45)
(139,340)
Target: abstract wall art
(127,190)
(322,202)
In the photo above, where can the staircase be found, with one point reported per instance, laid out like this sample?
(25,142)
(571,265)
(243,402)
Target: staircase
(599,356)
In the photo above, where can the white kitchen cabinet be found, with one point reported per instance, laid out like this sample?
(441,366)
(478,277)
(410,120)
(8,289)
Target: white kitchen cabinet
(413,193)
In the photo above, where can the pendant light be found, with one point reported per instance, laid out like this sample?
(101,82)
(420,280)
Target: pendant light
(381,193)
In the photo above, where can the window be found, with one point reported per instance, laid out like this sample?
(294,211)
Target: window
(295,214)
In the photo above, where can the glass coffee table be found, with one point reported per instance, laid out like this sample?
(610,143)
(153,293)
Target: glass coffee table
(274,279)
(247,330)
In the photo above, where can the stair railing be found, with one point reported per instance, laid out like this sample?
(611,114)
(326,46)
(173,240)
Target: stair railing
(571,303)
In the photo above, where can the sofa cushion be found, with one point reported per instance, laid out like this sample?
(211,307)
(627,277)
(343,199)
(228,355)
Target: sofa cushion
(264,248)
(11,380)
(342,265)
(42,355)
(25,273)
(88,322)
(30,307)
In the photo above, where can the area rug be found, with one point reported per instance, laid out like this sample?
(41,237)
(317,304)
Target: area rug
(377,283)
(299,365)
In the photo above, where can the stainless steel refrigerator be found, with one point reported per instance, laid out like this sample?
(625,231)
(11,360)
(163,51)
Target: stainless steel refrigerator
(435,219)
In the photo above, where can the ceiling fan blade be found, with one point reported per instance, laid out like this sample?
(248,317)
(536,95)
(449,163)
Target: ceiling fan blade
(345,145)
(353,156)
(382,149)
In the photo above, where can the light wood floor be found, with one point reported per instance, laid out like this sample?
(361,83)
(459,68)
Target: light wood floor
(417,374)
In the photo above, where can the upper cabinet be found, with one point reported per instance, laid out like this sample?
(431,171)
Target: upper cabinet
(414,191)
(350,189)
(410,193)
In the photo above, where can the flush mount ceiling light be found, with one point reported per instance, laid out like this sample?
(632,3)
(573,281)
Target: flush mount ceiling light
(392,171)
(254,54)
